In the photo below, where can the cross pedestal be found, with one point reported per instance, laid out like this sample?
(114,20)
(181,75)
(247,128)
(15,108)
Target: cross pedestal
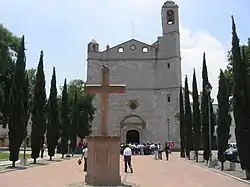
(103,165)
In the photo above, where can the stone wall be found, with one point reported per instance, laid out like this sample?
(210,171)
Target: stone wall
(149,81)
(4,140)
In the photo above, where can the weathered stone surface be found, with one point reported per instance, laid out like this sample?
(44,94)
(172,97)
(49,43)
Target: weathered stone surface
(151,78)
(82,184)
(103,166)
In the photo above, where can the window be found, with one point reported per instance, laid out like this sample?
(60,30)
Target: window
(169,65)
(145,49)
(94,48)
(170,17)
(120,50)
(132,47)
(168,98)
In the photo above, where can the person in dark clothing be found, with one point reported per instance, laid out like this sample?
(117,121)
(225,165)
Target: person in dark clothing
(167,150)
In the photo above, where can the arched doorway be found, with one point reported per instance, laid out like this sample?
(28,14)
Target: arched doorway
(133,136)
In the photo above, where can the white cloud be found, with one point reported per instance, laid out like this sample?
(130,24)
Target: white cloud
(193,44)
(142,12)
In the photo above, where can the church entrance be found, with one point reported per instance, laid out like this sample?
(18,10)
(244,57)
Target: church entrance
(133,136)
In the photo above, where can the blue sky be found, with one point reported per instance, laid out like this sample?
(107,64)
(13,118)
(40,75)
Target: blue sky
(63,28)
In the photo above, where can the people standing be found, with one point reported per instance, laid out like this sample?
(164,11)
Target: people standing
(167,150)
(127,154)
(160,150)
(85,156)
(154,148)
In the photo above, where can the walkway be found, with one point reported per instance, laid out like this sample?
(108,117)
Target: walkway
(147,173)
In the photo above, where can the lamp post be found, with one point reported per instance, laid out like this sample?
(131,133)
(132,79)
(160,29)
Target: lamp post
(68,155)
(24,159)
(168,120)
(208,90)
(69,140)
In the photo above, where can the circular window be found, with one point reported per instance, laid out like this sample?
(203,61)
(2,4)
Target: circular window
(132,47)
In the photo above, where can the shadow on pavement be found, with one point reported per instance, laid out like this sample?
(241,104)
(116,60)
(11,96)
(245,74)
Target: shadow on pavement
(10,169)
(38,164)
(16,168)
(83,184)
(50,161)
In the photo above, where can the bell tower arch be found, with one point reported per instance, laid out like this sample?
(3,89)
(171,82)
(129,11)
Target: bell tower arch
(170,17)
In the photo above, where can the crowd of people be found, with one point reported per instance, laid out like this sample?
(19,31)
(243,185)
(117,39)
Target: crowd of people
(127,150)
(147,149)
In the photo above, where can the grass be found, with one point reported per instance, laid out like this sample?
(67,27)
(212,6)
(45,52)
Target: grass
(5,155)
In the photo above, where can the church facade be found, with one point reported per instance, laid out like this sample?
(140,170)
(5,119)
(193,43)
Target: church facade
(149,110)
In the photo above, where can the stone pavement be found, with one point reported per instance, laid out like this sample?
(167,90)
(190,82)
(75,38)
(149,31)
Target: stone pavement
(147,173)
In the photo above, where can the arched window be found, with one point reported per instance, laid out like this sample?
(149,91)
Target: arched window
(94,47)
(145,49)
(170,17)
(120,50)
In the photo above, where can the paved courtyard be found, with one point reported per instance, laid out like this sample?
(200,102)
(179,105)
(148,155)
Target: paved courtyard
(147,173)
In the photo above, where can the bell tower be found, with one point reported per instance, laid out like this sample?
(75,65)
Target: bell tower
(170,17)
(93,46)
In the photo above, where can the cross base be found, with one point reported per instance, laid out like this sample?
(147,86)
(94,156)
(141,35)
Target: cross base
(103,164)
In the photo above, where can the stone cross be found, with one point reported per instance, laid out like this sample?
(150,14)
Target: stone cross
(104,89)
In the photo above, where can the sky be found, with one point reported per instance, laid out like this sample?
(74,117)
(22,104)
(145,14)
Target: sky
(63,28)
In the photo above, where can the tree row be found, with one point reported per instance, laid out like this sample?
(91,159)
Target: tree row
(60,117)
(197,122)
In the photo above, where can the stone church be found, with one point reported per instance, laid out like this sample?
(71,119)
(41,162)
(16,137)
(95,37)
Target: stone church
(148,111)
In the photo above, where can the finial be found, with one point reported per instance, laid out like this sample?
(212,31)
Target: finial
(107,47)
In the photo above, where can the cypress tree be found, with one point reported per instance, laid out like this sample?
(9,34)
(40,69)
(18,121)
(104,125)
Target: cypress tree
(17,126)
(182,125)
(224,118)
(86,115)
(26,100)
(65,119)
(38,111)
(188,120)
(241,102)
(7,85)
(26,111)
(1,100)
(204,111)
(196,118)
(86,110)
(53,125)
(75,124)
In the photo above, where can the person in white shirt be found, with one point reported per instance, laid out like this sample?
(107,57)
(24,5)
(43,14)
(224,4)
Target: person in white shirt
(127,154)
(85,156)
(160,150)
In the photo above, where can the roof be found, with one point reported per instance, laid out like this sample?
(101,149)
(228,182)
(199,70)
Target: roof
(168,4)
(94,41)
(131,40)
